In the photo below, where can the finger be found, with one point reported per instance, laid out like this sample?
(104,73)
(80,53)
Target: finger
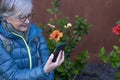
(59,57)
(63,57)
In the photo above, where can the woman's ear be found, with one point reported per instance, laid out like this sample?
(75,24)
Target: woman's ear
(6,19)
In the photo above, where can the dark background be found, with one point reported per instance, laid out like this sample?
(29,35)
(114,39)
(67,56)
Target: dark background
(102,14)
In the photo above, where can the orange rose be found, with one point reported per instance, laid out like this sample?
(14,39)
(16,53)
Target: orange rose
(56,34)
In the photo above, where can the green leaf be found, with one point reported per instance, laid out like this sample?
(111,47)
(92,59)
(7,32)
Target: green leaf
(113,55)
(76,72)
(102,52)
(103,56)
(118,22)
(115,47)
(50,11)
(60,69)
(105,59)
(118,75)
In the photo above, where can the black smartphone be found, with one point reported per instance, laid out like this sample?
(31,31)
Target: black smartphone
(57,50)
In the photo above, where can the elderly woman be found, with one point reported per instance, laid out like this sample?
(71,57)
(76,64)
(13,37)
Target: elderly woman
(20,61)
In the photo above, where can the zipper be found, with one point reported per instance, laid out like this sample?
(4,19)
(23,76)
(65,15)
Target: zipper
(28,49)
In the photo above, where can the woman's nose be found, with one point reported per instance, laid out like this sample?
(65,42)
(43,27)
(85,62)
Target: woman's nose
(27,20)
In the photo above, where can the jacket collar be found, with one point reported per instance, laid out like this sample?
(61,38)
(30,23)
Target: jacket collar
(33,32)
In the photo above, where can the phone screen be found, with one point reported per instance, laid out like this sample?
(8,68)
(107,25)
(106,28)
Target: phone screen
(57,50)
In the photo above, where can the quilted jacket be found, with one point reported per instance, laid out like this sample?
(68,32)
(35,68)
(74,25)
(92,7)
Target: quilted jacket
(21,62)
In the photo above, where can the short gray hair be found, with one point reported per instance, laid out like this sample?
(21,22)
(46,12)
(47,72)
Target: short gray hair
(15,7)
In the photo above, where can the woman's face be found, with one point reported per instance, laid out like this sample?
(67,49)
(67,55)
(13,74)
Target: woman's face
(20,23)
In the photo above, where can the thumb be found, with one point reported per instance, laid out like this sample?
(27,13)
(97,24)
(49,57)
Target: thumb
(50,58)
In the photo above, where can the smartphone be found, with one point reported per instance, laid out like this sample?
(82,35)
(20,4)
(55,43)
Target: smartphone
(57,50)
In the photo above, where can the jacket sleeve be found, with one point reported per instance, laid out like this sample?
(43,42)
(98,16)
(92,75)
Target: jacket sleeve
(44,53)
(10,71)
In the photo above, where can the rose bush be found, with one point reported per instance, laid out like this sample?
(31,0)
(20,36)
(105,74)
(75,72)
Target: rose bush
(60,30)
(114,56)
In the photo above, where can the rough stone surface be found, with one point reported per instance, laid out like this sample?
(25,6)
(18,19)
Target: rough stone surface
(97,72)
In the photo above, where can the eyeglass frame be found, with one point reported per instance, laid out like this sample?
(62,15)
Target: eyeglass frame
(24,18)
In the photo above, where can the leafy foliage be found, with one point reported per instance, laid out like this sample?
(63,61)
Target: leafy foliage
(114,56)
(60,30)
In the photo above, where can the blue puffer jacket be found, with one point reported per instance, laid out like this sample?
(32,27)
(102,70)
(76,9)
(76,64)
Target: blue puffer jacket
(21,63)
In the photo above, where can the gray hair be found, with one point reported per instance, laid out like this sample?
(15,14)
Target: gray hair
(15,7)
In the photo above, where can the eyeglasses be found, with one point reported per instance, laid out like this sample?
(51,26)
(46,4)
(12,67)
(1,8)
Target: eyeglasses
(23,18)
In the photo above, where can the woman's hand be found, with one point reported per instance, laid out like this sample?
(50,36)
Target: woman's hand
(49,66)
